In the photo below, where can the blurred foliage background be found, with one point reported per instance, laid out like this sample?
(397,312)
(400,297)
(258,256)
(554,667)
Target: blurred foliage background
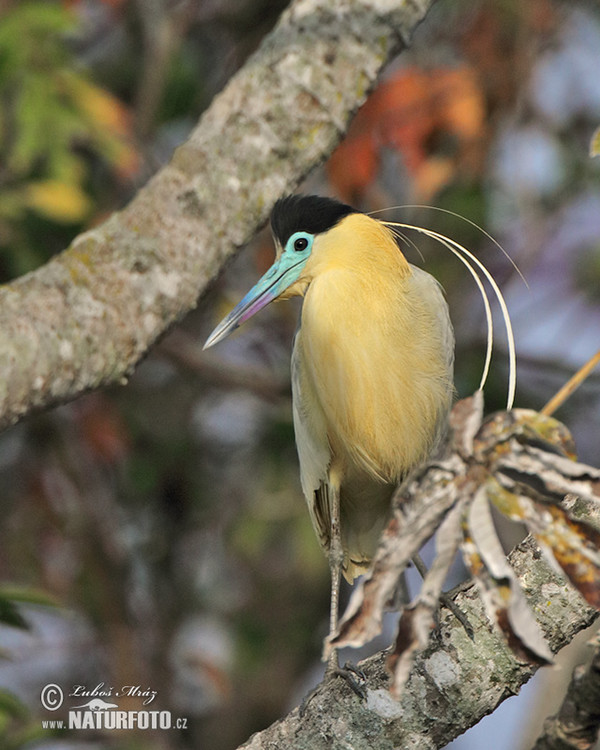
(156,535)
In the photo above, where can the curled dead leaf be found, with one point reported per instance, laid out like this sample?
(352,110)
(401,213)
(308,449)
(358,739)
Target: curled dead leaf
(523,463)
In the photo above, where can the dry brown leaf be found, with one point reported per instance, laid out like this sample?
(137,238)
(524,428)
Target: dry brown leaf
(522,462)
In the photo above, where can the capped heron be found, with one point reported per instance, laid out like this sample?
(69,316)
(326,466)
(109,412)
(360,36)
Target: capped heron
(372,368)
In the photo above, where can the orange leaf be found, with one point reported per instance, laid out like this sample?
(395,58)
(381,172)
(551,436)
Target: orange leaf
(432,176)
(353,166)
(460,106)
(404,113)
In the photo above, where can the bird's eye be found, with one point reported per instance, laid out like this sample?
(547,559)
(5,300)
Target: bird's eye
(300,244)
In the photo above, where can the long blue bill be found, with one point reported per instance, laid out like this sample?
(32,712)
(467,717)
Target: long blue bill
(276,280)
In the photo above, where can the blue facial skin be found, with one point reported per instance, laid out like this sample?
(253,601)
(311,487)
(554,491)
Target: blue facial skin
(282,274)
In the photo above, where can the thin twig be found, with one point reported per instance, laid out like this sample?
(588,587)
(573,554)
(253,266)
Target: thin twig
(571,385)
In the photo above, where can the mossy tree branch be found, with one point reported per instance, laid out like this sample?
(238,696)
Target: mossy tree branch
(87,317)
(453,684)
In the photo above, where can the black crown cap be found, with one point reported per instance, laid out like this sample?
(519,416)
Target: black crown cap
(306,213)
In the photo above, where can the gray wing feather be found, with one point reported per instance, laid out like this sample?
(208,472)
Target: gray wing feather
(312,444)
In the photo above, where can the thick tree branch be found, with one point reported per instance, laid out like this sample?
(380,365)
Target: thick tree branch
(453,684)
(450,681)
(86,318)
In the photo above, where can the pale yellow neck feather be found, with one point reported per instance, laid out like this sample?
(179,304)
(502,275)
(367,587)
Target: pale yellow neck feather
(357,243)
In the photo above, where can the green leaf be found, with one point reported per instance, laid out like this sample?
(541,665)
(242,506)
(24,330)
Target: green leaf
(595,144)
(11,596)
(11,706)
(10,615)
(27,595)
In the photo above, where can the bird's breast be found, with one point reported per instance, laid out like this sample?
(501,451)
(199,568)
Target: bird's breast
(375,357)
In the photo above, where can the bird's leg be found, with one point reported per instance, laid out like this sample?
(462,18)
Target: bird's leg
(353,676)
(336,559)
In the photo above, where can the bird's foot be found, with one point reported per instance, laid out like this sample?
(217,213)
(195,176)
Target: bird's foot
(445,599)
(352,675)
(449,602)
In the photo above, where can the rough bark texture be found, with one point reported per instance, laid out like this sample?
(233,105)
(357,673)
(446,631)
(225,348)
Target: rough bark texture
(450,681)
(453,684)
(86,318)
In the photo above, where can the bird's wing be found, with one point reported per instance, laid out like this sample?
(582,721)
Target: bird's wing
(314,452)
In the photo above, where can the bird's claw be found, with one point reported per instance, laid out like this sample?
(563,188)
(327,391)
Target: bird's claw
(462,618)
(352,675)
